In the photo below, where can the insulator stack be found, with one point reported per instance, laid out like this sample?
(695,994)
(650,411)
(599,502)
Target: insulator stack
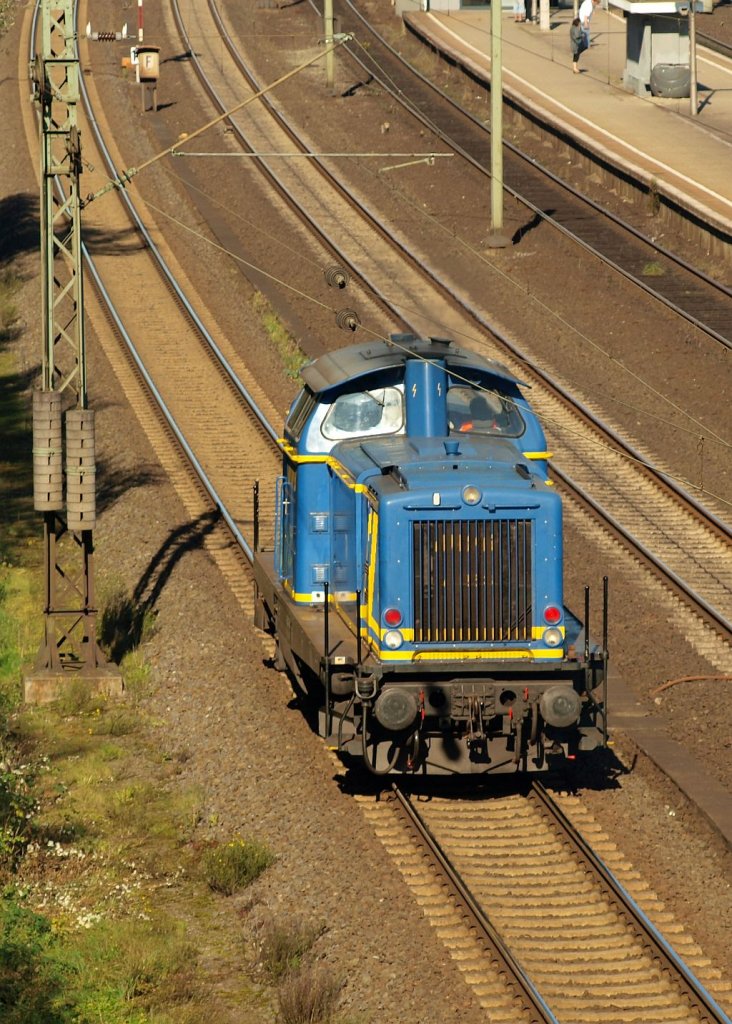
(48,494)
(105,37)
(347,319)
(80,470)
(336,277)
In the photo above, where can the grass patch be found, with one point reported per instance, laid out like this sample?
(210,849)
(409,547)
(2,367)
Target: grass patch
(126,799)
(106,846)
(282,945)
(292,356)
(7,15)
(139,966)
(653,269)
(19,522)
(308,996)
(117,972)
(19,636)
(136,674)
(17,806)
(20,630)
(33,979)
(77,698)
(104,915)
(124,625)
(233,866)
(9,283)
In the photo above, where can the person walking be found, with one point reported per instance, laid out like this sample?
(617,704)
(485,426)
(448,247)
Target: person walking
(585,14)
(577,42)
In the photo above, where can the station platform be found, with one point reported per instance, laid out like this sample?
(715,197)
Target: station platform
(654,140)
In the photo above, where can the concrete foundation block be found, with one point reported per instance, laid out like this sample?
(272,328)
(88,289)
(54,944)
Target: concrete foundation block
(47,687)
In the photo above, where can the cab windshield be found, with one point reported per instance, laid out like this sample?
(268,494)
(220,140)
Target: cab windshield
(483,412)
(364,413)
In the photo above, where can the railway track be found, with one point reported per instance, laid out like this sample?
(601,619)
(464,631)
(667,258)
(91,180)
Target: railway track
(198,403)
(171,347)
(199,386)
(685,289)
(201,392)
(543,926)
(589,460)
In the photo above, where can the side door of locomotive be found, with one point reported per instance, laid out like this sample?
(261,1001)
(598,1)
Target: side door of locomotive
(285,527)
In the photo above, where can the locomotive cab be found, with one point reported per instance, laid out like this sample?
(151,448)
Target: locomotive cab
(416,581)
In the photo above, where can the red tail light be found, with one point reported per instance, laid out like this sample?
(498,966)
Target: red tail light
(393,617)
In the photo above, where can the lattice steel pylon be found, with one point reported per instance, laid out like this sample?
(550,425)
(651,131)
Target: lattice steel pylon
(69,643)
(56,77)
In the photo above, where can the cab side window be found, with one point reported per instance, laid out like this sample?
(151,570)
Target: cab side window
(300,411)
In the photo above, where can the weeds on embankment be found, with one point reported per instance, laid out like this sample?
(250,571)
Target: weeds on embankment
(106,904)
(110,906)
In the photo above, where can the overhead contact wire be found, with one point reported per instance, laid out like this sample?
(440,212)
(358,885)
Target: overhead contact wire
(707,433)
(127,175)
(379,336)
(527,293)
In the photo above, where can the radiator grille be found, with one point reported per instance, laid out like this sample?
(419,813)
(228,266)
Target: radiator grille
(472,580)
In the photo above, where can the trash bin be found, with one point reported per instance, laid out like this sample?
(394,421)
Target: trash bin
(671,80)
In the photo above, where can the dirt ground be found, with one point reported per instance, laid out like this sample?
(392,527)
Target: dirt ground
(246,743)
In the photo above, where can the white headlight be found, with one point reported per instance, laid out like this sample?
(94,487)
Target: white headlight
(393,639)
(471,495)
(552,637)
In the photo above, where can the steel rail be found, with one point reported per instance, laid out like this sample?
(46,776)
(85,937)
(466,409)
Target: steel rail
(709,612)
(165,411)
(716,45)
(534,1004)
(180,296)
(209,486)
(657,248)
(329,243)
(535,1001)
(159,401)
(166,271)
(700,999)
(704,609)
(676,970)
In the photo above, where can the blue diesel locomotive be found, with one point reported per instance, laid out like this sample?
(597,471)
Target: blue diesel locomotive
(415,585)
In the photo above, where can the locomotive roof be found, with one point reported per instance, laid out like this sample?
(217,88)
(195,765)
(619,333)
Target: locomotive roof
(405,451)
(416,466)
(358,360)
(432,455)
